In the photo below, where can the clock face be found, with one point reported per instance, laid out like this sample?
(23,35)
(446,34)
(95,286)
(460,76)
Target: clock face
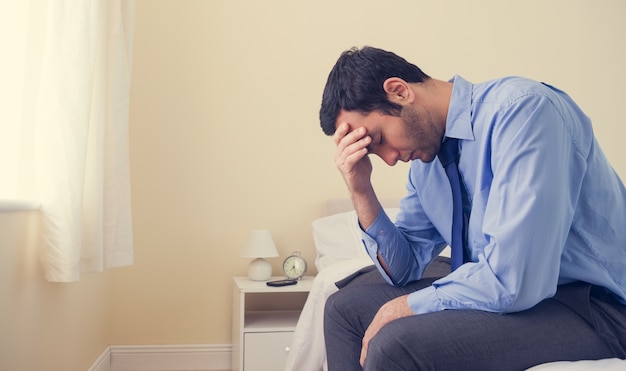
(294,266)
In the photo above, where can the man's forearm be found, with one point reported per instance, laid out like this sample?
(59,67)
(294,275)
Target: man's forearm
(367,209)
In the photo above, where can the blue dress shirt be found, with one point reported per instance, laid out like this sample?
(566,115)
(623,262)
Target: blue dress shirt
(546,206)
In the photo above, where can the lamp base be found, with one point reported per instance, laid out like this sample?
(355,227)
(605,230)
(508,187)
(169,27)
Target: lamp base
(259,270)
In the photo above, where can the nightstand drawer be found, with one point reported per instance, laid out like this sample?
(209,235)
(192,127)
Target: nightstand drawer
(266,351)
(264,319)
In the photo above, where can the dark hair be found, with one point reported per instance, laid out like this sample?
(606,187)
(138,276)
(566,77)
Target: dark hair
(356,84)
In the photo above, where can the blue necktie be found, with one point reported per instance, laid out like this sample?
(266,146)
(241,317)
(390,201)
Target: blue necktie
(448,156)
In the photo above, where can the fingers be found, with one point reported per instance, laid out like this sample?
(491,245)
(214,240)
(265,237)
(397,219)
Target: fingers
(344,136)
(351,145)
(371,331)
(363,353)
(341,131)
(390,311)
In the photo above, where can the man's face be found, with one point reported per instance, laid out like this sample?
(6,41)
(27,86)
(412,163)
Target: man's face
(413,135)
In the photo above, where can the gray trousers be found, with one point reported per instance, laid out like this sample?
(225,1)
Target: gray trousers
(582,321)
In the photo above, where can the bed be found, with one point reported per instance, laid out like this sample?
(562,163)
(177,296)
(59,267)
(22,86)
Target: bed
(339,253)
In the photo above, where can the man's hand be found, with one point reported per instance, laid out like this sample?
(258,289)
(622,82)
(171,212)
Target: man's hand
(351,157)
(356,168)
(392,310)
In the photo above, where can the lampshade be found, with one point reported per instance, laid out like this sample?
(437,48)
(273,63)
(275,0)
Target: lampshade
(259,245)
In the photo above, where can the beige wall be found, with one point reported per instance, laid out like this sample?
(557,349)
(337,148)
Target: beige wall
(225,135)
(225,138)
(46,326)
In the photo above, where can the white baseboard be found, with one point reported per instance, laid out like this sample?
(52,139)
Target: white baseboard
(103,363)
(169,357)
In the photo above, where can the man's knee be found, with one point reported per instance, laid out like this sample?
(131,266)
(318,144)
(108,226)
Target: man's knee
(333,305)
(397,347)
(347,308)
(382,353)
(335,311)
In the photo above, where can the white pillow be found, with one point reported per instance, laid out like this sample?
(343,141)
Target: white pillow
(338,237)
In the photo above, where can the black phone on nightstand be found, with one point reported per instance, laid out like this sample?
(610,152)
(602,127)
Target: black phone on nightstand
(280,283)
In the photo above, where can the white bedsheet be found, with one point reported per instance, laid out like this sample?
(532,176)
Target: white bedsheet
(308,352)
(609,364)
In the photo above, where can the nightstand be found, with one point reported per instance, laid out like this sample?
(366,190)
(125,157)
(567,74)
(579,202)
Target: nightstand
(264,319)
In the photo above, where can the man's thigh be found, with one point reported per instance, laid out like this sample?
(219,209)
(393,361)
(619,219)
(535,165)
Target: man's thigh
(477,340)
(360,298)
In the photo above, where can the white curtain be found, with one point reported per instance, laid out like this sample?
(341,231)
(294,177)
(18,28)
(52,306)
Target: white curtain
(74,146)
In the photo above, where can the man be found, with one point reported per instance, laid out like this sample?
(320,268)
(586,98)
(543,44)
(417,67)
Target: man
(544,252)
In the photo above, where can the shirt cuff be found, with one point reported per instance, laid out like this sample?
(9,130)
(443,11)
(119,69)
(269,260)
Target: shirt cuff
(424,301)
(373,237)
(381,230)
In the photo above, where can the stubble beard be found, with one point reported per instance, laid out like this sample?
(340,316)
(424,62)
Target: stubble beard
(422,132)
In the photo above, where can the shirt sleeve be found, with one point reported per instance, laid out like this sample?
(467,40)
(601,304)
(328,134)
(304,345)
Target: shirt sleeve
(407,246)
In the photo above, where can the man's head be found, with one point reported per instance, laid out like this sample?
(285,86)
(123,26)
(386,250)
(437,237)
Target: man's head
(356,84)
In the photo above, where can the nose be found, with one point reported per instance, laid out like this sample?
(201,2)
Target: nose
(389,156)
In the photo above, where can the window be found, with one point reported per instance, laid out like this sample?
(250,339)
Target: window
(64,82)
(13,26)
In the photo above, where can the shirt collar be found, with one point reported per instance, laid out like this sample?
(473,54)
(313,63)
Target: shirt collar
(458,122)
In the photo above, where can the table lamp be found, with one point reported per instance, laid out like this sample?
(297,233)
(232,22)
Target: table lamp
(259,245)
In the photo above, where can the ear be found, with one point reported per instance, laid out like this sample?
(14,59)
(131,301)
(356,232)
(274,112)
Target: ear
(398,91)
